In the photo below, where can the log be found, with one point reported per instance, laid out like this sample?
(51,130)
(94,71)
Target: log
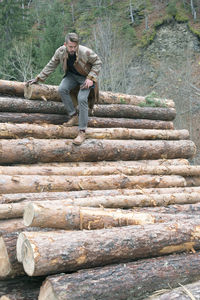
(185,292)
(69,251)
(11,225)
(49,131)
(40,183)
(45,118)
(123,200)
(8,104)
(136,112)
(14,88)
(133,280)
(9,211)
(78,218)
(187,208)
(70,196)
(53,150)
(60,168)
(92,122)
(22,286)
(50,92)
(62,216)
(129,123)
(95,169)
(9,266)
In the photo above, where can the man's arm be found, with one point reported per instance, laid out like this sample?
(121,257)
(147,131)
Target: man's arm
(96,64)
(47,70)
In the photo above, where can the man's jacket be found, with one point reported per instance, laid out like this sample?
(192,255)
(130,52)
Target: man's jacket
(87,64)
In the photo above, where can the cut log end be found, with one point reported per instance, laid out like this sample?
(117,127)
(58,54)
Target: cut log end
(46,292)
(28,259)
(29,214)
(5,267)
(20,241)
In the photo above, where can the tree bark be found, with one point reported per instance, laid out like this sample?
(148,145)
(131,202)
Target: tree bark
(49,131)
(61,168)
(20,105)
(62,216)
(69,251)
(136,112)
(23,288)
(123,200)
(9,266)
(44,118)
(129,123)
(133,280)
(55,196)
(40,150)
(50,92)
(39,118)
(14,88)
(9,211)
(78,218)
(8,104)
(185,292)
(40,183)
(11,225)
(117,168)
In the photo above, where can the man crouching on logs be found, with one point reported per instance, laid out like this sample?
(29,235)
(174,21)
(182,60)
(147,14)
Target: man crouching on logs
(81,66)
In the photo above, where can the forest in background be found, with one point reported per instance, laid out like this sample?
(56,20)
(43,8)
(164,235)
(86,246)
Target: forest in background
(117,30)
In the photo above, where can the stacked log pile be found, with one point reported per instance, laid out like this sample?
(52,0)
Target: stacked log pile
(113,217)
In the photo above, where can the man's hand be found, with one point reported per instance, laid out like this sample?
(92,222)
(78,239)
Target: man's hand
(32,81)
(87,84)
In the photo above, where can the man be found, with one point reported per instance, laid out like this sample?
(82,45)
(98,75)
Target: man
(81,66)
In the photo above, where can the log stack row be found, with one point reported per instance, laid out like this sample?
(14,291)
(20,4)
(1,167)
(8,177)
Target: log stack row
(115,217)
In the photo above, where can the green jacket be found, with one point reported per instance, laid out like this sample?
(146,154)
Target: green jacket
(87,64)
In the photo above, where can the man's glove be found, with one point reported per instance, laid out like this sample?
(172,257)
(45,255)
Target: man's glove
(32,81)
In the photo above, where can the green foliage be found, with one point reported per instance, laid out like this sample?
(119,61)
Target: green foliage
(152,100)
(171,8)
(181,17)
(194,31)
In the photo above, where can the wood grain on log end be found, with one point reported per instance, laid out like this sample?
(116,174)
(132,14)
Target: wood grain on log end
(5,266)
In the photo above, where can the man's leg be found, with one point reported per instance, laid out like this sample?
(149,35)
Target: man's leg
(64,89)
(83,108)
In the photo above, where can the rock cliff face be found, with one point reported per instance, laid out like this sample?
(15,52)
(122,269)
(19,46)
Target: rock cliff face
(170,66)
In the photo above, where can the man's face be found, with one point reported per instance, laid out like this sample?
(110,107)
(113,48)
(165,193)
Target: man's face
(71,47)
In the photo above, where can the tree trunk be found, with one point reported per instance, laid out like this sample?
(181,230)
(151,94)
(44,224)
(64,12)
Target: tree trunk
(69,251)
(185,292)
(136,112)
(78,218)
(123,200)
(61,168)
(49,131)
(62,216)
(40,150)
(10,225)
(55,196)
(96,169)
(50,92)
(9,211)
(14,88)
(9,266)
(46,118)
(22,288)
(129,123)
(133,280)
(112,111)
(40,183)
(92,122)
(20,105)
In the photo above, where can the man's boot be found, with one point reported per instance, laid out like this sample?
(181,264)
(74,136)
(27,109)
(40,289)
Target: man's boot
(80,138)
(73,121)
